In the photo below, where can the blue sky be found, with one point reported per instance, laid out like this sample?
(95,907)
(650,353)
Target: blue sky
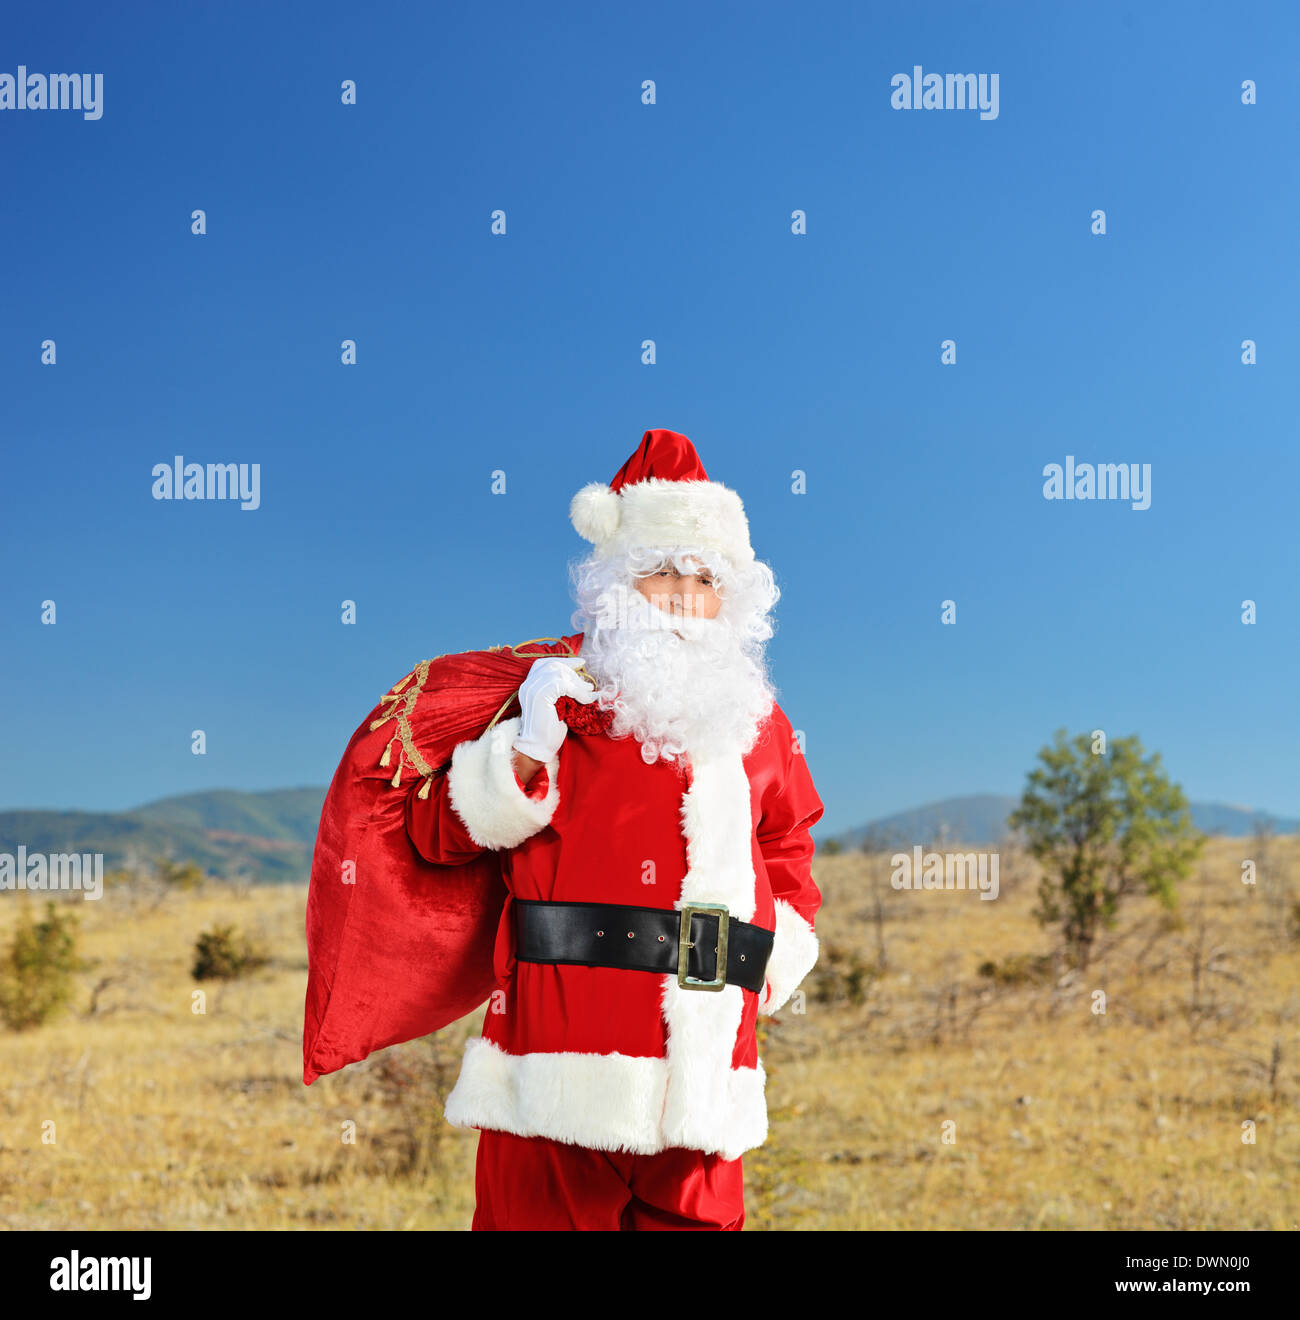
(775,352)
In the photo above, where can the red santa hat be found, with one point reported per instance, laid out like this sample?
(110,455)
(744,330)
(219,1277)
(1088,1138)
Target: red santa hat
(662,496)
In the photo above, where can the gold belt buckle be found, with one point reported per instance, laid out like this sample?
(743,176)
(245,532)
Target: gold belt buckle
(684,947)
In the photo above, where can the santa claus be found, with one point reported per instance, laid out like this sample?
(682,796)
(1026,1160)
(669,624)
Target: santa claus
(657,857)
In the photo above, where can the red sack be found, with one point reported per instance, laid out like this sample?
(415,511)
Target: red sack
(398,947)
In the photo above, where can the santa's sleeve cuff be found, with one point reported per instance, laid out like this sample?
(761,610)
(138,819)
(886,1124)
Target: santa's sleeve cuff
(485,791)
(794,953)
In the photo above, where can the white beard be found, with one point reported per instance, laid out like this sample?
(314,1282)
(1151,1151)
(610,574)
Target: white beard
(697,694)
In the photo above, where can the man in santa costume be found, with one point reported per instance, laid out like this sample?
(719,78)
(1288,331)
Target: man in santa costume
(657,856)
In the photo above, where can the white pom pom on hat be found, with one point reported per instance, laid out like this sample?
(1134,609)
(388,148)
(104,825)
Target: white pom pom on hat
(594,512)
(662,496)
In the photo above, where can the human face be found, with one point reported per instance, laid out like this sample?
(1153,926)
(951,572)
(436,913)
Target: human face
(691,594)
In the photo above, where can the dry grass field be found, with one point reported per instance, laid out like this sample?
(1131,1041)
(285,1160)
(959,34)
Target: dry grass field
(914,1091)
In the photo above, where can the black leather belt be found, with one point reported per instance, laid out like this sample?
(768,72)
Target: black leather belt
(646,939)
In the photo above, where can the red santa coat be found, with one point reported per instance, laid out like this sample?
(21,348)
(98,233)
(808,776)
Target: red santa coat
(610,1058)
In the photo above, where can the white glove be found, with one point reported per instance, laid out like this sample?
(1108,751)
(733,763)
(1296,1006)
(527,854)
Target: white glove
(541,730)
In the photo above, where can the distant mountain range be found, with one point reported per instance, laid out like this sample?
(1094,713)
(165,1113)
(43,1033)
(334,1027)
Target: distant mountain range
(982,818)
(268,837)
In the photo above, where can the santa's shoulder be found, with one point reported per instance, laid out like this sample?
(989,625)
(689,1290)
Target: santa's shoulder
(775,733)
(777,718)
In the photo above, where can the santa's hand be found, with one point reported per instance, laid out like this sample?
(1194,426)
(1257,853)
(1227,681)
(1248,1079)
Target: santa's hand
(541,731)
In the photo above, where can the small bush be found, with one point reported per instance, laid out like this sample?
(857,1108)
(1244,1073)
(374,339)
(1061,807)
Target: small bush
(1018,969)
(842,974)
(222,954)
(185,876)
(37,969)
(413,1082)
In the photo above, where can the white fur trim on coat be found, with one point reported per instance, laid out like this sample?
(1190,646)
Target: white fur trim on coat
(702,1024)
(794,952)
(601,1101)
(486,796)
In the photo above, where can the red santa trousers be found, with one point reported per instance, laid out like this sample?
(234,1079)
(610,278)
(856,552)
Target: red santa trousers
(538,1183)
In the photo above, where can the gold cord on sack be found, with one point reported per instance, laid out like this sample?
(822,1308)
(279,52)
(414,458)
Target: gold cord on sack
(580,670)
(404,704)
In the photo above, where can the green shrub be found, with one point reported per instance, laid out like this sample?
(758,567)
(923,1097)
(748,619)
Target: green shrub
(223,954)
(1018,969)
(37,969)
(842,974)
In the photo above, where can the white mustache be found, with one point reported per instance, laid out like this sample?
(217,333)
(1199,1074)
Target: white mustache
(636,612)
(692,628)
